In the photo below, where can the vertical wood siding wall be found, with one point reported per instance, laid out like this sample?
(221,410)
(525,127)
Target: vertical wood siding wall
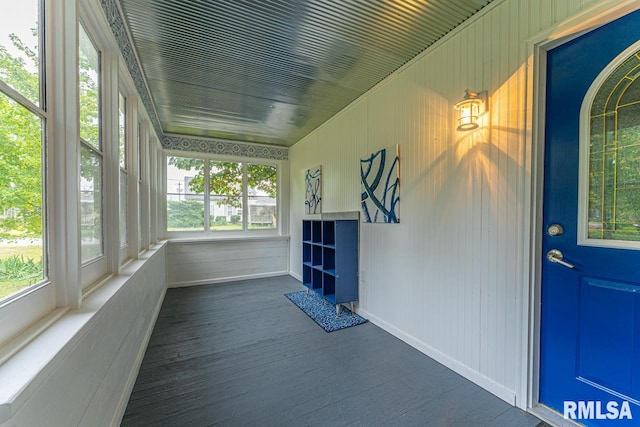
(202,262)
(89,382)
(449,278)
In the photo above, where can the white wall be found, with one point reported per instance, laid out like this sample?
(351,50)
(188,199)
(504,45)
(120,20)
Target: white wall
(450,279)
(89,379)
(198,262)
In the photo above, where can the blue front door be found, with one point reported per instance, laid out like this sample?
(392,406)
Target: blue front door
(590,312)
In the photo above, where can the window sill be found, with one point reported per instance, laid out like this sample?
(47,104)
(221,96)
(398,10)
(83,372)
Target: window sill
(47,343)
(222,239)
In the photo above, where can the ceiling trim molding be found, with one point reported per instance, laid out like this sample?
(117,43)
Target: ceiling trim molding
(125,45)
(227,148)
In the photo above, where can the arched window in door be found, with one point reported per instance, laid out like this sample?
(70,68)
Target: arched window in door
(613,161)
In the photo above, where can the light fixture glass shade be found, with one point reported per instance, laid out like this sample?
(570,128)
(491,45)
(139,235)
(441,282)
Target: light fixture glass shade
(469,110)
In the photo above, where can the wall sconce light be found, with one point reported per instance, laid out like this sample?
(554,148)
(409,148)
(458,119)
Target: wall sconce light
(470,108)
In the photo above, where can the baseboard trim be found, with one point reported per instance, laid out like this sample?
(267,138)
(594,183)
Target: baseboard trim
(135,369)
(295,276)
(472,375)
(226,279)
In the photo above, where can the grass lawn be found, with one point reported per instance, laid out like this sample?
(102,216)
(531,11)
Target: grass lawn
(33,251)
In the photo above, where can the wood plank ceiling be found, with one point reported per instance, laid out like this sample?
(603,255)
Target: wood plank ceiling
(273,71)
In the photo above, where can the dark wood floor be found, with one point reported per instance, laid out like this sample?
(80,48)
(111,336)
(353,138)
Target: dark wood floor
(240,354)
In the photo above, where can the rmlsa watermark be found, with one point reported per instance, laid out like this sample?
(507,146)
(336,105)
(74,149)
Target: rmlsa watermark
(597,410)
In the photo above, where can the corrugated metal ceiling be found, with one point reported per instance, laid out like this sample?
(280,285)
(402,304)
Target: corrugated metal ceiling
(272,71)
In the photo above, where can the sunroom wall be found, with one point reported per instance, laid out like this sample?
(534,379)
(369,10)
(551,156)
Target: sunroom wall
(452,278)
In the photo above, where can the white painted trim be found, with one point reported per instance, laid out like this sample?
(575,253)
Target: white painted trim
(537,47)
(63,171)
(18,343)
(296,276)
(144,153)
(226,279)
(535,103)
(133,174)
(226,239)
(24,373)
(585,143)
(135,369)
(500,391)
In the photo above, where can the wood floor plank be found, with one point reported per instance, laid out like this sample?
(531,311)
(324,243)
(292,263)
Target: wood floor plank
(240,353)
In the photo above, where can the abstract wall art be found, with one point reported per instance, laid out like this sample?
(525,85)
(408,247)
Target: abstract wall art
(313,190)
(380,178)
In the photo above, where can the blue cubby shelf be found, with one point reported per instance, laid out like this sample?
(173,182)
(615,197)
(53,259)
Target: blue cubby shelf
(330,258)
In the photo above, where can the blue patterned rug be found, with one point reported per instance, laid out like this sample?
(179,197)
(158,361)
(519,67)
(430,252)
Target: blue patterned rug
(323,312)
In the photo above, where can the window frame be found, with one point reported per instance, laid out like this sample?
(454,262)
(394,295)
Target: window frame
(584,156)
(28,312)
(23,308)
(123,160)
(96,268)
(217,234)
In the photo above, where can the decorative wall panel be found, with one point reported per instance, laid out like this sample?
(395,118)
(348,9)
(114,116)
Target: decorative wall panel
(313,190)
(380,181)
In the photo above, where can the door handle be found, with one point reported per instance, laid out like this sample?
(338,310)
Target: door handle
(557,257)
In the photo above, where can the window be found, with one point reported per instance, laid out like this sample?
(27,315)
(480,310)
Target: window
(185,194)
(225,195)
(122,154)
(206,195)
(613,163)
(91,149)
(261,198)
(140,186)
(23,254)
(54,136)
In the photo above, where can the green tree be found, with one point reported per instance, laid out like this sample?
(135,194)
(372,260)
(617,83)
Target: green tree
(185,214)
(20,148)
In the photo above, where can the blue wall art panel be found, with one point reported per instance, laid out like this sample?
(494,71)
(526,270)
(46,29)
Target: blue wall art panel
(380,178)
(313,190)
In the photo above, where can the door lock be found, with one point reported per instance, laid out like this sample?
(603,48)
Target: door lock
(555,230)
(557,257)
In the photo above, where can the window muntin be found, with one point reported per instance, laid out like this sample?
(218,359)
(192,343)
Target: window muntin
(240,196)
(22,155)
(91,164)
(614,156)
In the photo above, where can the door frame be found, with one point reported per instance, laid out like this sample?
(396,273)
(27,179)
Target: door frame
(536,53)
